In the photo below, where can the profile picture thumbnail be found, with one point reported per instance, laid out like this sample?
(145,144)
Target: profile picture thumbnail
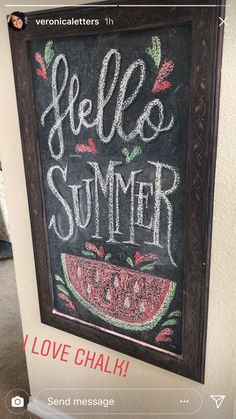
(17,21)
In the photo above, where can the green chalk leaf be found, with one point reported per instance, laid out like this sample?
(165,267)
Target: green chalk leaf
(48,45)
(176,313)
(108,256)
(62,289)
(170,322)
(89,253)
(156,45)
(130,262)
(148,267)
(48,53)
(135,152)
(125,152)
(155,51)
(59,279)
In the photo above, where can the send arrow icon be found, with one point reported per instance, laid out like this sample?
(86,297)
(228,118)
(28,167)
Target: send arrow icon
(218,399)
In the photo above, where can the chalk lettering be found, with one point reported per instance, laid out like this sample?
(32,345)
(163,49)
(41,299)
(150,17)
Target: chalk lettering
(67,209)
(130,184)
(85,107)
(106,186)
(160,195)
(76,203)
(142,197)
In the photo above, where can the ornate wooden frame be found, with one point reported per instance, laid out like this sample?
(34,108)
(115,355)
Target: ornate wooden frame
(203,120)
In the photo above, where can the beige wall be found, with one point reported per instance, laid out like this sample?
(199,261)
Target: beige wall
(220,361)
(4,223)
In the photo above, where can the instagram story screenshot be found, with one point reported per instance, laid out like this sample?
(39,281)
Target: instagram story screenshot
(117,209)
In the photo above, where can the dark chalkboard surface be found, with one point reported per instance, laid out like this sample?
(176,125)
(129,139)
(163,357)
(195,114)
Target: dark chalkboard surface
(112,125)
(119,129)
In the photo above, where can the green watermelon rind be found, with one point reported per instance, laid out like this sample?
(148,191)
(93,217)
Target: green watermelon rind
(119,323)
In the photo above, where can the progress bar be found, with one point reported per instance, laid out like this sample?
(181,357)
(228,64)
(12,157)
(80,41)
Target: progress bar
(116,5)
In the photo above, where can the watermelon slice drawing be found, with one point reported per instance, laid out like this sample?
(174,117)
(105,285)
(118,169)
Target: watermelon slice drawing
(123,297)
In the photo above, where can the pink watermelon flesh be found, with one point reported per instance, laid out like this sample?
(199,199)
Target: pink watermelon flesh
(123,297)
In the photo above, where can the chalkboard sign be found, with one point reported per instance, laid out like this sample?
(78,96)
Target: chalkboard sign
(119,166)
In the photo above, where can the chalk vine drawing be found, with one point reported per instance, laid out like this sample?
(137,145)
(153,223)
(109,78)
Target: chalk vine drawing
(95,251)
(90,147)
(166,334)
(160,82)
(49,53)
(155,50)
(132,155)
(139,259)
(123,297)
(42,70)
(166,68)
(46,61)
(63,293)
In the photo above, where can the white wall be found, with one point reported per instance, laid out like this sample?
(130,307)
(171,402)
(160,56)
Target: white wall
(220,360)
